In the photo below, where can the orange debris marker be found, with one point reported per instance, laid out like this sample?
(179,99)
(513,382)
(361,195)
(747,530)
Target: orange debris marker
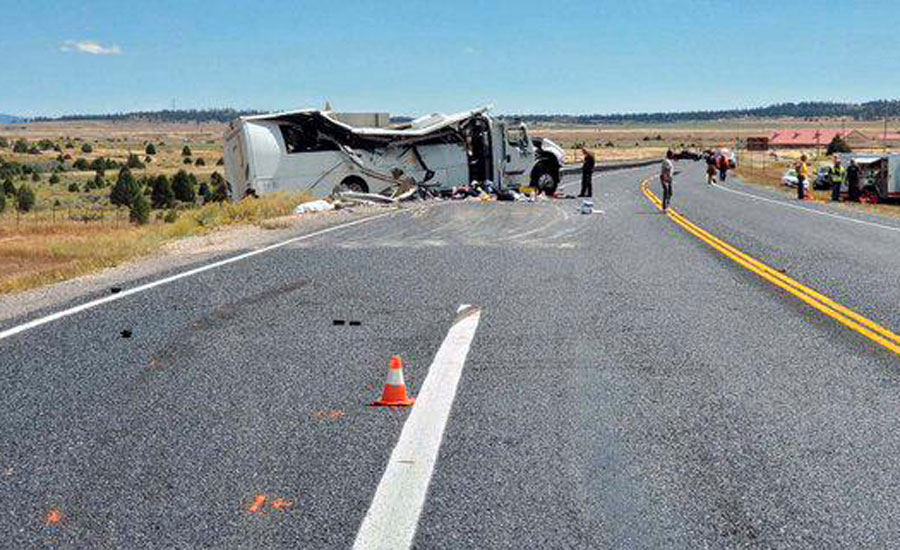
(258,503)
(54,516)
(395,394)
(282,503)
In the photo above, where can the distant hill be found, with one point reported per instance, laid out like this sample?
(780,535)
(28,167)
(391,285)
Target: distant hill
(10,119)
(167,115)
(871,110)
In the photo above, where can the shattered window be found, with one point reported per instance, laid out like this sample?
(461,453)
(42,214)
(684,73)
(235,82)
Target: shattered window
(515,137)
(303,140)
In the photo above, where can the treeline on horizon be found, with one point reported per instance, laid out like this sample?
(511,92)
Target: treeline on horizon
(166,115)
(870,110)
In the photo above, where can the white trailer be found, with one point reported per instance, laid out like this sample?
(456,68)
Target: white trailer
(323,151)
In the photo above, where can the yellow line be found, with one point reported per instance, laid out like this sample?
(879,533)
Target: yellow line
(845,316)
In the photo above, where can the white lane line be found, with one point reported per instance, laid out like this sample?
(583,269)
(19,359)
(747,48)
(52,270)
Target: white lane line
(113,297)
(393,516)
(810,210)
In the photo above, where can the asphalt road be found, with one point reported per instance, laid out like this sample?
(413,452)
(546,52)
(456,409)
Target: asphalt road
(627,386)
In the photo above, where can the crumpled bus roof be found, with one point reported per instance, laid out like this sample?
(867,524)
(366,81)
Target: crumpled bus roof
(420,127)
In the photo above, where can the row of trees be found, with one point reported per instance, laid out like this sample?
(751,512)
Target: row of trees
(164,193)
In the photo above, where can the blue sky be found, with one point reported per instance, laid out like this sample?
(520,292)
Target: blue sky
(417,57)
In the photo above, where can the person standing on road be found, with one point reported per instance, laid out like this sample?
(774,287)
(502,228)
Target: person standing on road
(587,174)
(723,167)
(837,179)
(853,181)
(666,174)
(802,177)
(710,170)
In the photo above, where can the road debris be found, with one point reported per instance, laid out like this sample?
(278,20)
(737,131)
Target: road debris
(313,206)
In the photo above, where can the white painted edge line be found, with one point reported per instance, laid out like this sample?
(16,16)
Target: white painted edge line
(153,284)
(809,210)
(393,516)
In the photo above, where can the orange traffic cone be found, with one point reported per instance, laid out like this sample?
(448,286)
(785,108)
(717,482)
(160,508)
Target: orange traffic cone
(394,394)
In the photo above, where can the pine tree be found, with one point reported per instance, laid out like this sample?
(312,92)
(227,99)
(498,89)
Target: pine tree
(150,149)
(183,188)
(186,151)
(124,189)
(9,187)
(139,209)
(162,195)
(25,198)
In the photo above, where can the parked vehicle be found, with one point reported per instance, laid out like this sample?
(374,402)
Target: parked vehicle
(823,177)
(790,178)
(323,151)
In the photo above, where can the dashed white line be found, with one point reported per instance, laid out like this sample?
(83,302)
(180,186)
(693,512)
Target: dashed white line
(809,210)
(113,297)
(393,516)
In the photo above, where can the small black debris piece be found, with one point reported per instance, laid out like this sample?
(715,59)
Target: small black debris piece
(115,289)
(126,333)
(355,323)
(338,322)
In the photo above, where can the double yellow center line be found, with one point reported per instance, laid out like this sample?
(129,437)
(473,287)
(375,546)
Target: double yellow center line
(826,305)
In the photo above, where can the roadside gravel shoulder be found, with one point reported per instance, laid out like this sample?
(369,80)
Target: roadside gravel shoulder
(179,254)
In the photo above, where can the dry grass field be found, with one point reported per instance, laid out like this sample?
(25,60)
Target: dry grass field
(70,233)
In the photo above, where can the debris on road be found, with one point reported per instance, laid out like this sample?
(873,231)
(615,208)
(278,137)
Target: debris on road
(313,206)
(125,333)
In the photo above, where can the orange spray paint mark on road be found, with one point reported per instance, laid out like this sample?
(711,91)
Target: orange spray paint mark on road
(258,503)
(53,517)
(282,504)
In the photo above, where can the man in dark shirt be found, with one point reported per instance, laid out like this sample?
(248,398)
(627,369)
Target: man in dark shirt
(853,181)
(587,174)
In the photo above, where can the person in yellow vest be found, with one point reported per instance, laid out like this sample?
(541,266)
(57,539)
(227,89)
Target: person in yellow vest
(837,179)
(802,177)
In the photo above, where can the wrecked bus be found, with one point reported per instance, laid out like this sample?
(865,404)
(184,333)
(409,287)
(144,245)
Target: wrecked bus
(320,152)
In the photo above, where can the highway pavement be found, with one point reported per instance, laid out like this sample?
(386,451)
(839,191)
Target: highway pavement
(627,385)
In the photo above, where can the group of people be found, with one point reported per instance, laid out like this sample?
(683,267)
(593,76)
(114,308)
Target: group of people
(838,175)
(716,163)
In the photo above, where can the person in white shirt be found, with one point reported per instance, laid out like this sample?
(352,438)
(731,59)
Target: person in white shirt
(666,173)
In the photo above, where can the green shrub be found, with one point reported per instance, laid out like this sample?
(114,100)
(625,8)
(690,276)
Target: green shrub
(171,216)
(150,149)
(200,162)
(125,189)
(139,209)
(183,187)
(25,199)
(87,148)
(54,179)
(20,146)
(134,162)
(185,151)
(162,195)
(8,187)
(73,187)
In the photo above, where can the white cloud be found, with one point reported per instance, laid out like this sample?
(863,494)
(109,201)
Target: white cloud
(469,50)
(89,47)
